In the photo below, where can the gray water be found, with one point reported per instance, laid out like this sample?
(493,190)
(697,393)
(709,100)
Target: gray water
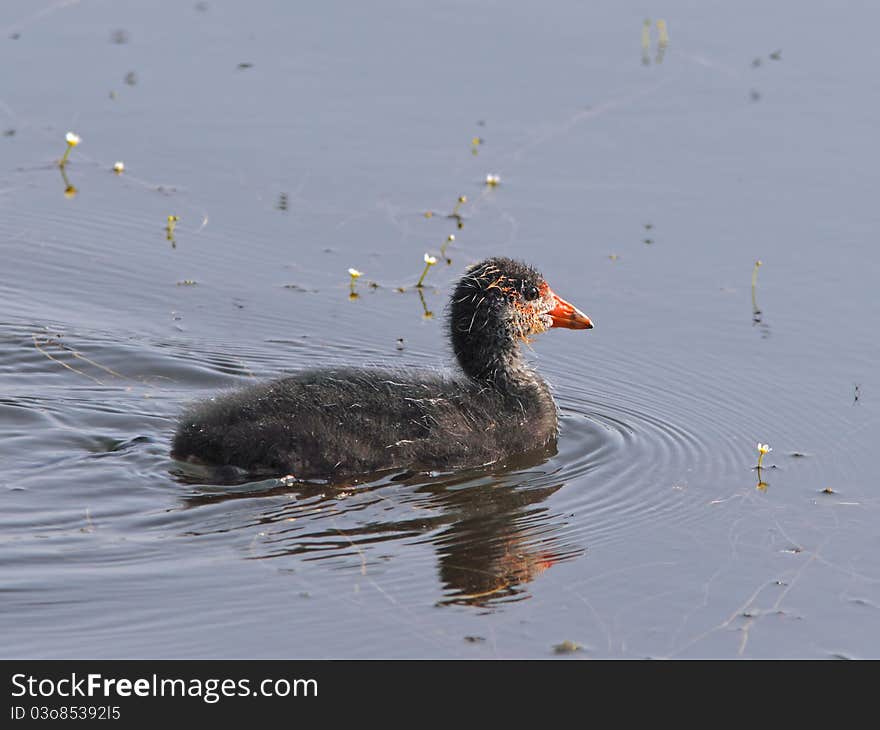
(296,140)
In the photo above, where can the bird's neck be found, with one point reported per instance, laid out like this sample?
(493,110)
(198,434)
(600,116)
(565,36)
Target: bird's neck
(497,363)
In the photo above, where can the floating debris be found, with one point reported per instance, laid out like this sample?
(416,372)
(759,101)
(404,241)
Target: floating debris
(755,95)
(187,282)
(283,202)
(828,490)
(429,214)
(475,145)
(474,639)
(130,79)
(567,647)
(857,394)
(297,287)
(400,343)
(245,65)
(119,167)
(776,55)
(120,36)
(492,180)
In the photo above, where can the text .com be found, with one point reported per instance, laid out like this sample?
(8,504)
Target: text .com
(209,690)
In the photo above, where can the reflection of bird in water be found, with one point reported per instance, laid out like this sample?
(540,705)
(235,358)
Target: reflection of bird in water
(334,424)
(499,545)
(491,532)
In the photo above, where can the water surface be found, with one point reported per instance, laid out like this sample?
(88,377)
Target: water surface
(297,141)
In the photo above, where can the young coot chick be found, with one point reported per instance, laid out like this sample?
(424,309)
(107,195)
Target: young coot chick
(336,423)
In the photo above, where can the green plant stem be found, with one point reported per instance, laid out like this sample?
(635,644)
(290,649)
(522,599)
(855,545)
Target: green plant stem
(424,274)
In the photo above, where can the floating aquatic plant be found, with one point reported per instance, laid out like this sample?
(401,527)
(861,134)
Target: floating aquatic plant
(72,140)
(462,199)
(663,33)
(758,265)
(169,228)
(69,189)
(755,310)
(475,145)
(449,239)
(662,41)
(426,313)
(429,262)
(763,450)
(355,275)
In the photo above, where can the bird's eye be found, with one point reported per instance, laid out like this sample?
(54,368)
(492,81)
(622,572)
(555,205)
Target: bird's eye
(530,292)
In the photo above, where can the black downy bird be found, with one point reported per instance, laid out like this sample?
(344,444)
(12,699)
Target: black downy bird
(334,424)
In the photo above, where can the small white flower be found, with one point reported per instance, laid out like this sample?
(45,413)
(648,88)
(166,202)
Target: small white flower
(764,448)
(118,167)
(355,274)
(72,139)
(492,180)
(430,260)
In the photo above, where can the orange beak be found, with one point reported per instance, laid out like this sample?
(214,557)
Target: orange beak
(567,315)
